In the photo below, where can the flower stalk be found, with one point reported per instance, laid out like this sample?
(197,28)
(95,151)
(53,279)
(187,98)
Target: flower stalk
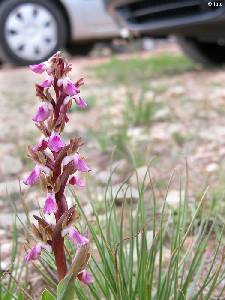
(58,164)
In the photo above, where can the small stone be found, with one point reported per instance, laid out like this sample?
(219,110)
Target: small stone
(174,197)
(10,165)
(162,114)
(122,193)
(176,91)
(212,168)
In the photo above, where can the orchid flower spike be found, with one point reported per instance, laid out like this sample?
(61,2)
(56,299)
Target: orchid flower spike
(57,164)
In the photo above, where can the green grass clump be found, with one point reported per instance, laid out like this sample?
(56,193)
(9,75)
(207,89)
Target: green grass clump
(140,112)
(135,70)
(129,264)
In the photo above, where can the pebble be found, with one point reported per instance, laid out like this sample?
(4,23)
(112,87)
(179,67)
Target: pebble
(212,167)
(174,197)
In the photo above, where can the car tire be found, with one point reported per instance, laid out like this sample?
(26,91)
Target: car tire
(208,54)
(80,48)
(30,31)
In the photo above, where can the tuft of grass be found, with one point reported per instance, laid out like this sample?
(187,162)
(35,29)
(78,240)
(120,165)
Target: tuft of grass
(140,112)
(150,251)
(11,285)
(134,70)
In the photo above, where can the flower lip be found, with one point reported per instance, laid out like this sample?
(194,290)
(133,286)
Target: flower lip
(50,204)
(43,112)
(85,277)
(41,145)
(68,86)
(33,176)
(75,236)
(80,164)
(77,181)
(80,101)
(55,142)
(38,68)
(35,252)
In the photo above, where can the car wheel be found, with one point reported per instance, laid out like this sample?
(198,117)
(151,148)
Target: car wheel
(30,31)
(206,53)
(80,48)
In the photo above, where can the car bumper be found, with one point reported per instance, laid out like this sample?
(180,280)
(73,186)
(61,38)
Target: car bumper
(170,17)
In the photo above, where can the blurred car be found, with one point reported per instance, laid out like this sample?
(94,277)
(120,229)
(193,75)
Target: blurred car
(198,24)
(32,30)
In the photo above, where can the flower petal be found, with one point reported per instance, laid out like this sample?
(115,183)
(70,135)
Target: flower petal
(71,89)
(42,113)
(41,145)
(80,164)
(75,180)
(85,277)
(80,102)
(50,206)
(75,237)
(46,83)
(33,177)
(33,253)
(38,68)
(55,142)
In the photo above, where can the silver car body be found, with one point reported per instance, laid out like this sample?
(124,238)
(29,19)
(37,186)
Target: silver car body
(89,20)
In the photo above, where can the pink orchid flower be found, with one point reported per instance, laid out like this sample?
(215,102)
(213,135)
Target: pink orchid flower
(43,112)
(47,82)
(34,176)
(85,277)
(77,181)
(50,206)
(35,252)
(41,145)
(68,86)
(79,163)
(38,68)
(55,142)
(80,101)
(75,237)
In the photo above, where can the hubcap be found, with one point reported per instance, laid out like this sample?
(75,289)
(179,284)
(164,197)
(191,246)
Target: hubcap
(31,31)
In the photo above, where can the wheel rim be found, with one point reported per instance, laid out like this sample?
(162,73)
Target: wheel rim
(31,31)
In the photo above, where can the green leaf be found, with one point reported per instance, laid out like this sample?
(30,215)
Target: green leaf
(46,295)
(66,288)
